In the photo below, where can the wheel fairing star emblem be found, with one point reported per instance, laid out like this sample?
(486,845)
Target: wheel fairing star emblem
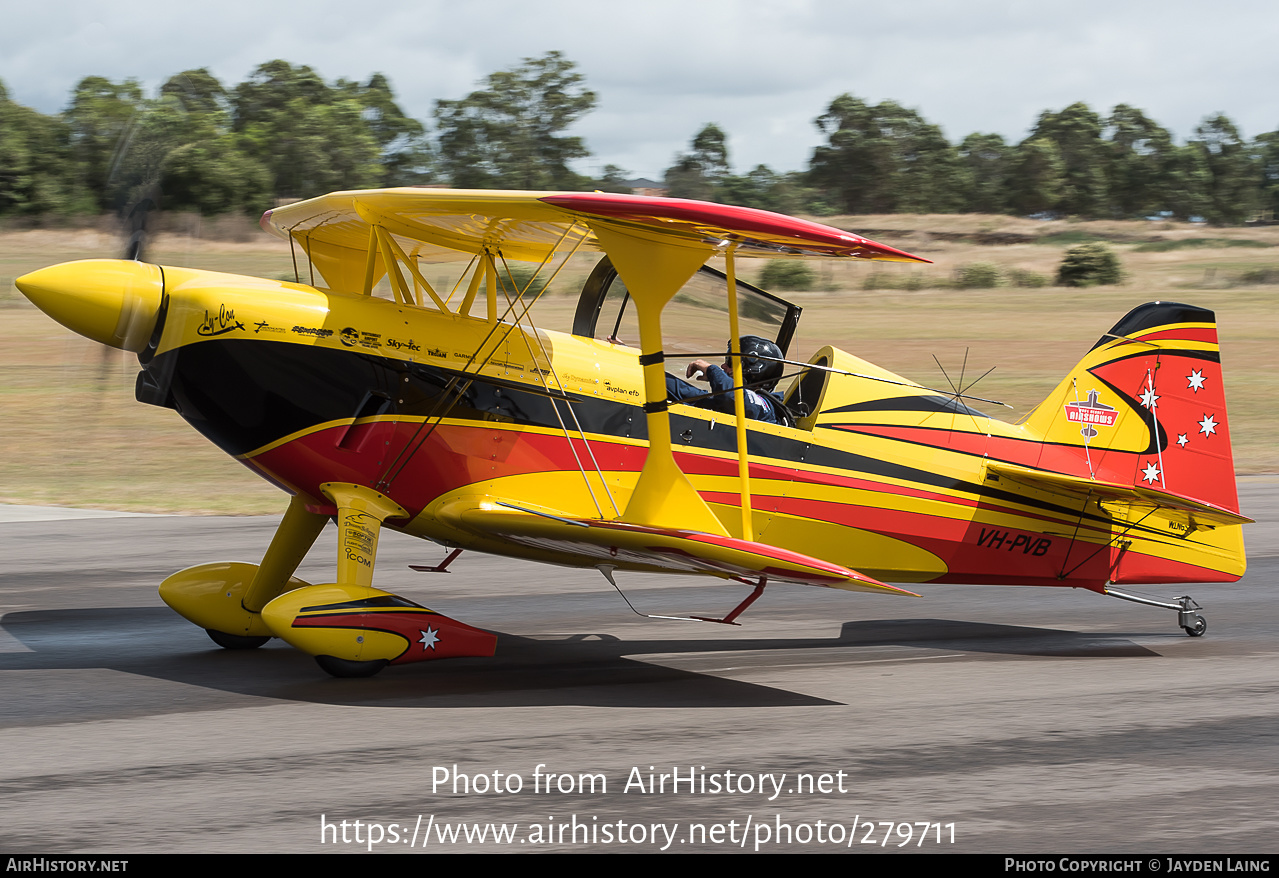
(429,638)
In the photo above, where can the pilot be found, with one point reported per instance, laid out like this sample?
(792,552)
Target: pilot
(759,375)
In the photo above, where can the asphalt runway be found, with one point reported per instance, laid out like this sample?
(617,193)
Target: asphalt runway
(1022,720)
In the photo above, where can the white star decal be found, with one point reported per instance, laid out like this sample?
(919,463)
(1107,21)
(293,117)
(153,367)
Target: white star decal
(1150,473)
(430,637)
(1182,440)
(1208,426)
(1148,398)
(1196,379)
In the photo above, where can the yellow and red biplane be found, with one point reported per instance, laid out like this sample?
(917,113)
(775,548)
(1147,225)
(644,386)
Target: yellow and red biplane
(449,416)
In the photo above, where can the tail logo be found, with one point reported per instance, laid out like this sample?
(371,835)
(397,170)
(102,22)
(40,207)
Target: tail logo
(1090,413)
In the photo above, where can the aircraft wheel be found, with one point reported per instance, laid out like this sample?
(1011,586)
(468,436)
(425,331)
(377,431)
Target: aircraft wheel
(1198,628)
(345,668)
(234,641)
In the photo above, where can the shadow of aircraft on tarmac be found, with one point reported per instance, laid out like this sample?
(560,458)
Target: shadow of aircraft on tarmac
(581,669)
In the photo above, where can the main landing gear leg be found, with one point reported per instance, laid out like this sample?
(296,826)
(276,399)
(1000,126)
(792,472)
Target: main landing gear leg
(361,512)
(226,598)
(353,629)
(294,537)
(1190,621)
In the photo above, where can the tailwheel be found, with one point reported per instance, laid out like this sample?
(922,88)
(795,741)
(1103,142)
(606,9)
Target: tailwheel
(1190,621)
(234,641)
(338,667)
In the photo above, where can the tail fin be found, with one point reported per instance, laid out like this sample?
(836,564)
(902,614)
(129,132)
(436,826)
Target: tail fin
(1145,407)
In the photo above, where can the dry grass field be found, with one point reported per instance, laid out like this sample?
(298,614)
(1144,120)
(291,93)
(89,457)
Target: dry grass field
(73,435)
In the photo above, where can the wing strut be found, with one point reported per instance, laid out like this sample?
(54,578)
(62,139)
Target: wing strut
(654,270)
(607,570)
(739,396)
(459,383)
(550,363)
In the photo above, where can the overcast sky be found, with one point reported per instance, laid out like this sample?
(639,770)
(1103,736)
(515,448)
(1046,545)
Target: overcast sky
(763,71)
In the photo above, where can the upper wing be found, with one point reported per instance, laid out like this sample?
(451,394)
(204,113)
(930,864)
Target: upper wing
(756,232)
(442,225)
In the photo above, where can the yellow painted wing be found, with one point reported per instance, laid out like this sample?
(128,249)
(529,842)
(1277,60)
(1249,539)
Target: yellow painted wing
(622,544)
(443,225)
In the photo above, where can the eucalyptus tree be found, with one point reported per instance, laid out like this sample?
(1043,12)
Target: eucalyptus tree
(511,133)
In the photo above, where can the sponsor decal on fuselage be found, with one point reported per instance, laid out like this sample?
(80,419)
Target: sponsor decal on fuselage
(218,324)
(352,337)
(402,344)
(621,391)
(313,331)
(262,326)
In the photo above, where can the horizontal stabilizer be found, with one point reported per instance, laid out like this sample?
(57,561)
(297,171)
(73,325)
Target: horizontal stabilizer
(593,542)
(1202,512)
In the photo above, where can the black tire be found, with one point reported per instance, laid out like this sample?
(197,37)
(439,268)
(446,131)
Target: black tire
(345,668)
(1197,629)
(235,641)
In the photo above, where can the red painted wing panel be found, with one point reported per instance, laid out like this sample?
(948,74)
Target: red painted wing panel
(705,219)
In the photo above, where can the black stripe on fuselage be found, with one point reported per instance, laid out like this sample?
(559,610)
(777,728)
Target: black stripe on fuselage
(244,394)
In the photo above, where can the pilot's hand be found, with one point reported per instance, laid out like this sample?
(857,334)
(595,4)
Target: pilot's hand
(697,369)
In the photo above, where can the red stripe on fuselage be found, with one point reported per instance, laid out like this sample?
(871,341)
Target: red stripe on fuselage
(1109,464)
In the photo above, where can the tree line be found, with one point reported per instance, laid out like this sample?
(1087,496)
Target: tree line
(286,133)
(885,158)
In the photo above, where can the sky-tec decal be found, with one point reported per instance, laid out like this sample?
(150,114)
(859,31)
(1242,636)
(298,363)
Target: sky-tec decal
(1089,413)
